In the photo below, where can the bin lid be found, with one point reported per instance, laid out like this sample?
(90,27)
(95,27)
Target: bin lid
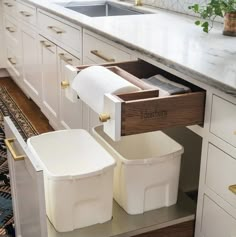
(70,153)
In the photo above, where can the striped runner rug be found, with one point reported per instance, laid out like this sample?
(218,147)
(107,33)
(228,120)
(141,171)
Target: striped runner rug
(8,107)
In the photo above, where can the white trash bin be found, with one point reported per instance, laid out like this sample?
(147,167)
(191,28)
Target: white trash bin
(147,173)
(78,176)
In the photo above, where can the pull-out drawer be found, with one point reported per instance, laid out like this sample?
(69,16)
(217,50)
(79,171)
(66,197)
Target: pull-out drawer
(144,111)
(223,119)
(27,186)
(218,165)
(216,222)
(60,31)
(101,51)
(11,30)
(26,13)
(9,7)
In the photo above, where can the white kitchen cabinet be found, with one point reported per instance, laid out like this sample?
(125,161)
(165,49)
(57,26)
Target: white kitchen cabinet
(31,69)
(50,82)
(1,37)
(70,106)
(26,174)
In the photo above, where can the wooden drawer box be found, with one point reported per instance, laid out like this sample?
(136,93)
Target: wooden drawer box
(144,111)
(223,120)
(99,51)
(221,174)
(26,13)
(60,31)
(216,222)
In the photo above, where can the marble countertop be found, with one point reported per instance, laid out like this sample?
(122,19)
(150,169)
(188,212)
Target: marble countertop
(167,38)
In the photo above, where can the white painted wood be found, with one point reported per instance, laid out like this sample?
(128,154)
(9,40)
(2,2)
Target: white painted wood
(27,188)
(9,7)
(70,105)
(103,47)
(221,173)
(69,35)
(25,12)
(50,82)
(223,120)
(216,222)
(30,63)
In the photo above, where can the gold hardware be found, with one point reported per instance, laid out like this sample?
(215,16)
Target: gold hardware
(8,143)
(104,117)
(232,188)
(8,4)
(138,3)
(56,29)
(26,14)
(96,53)
(235,132)
(10,29)
(64,58)
(64,84)
(12,61)
(44,43)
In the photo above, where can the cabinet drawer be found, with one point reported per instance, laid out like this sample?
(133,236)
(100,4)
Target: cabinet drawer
(216,222)
(26,13)
(223,120)
(218,165)
(9,6)
(11,30)
(62,32)
(99,51)
(144,111)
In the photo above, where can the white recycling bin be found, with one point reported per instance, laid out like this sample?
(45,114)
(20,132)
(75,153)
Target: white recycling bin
(147,173)
(78,176)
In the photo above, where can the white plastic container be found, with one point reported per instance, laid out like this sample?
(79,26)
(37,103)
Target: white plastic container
(78,176)
(147,173)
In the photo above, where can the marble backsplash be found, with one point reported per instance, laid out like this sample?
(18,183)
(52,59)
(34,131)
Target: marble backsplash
(180,6)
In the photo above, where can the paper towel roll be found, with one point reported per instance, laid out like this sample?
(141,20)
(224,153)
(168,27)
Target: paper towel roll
(93,82)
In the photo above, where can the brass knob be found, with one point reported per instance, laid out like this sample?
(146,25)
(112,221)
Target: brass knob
(232,188)
(104,117)
(64,84)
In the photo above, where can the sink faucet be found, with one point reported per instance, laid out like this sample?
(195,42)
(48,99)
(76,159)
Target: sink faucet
(138,2)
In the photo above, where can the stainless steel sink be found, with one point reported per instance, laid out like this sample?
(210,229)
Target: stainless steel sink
(101,8)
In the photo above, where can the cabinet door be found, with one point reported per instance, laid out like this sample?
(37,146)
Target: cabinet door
(70,105)
(31,73)
(50,82)
(27,187)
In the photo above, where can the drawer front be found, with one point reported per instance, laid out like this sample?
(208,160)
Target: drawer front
(99,51)
(223,120)
(11,31)
(13,61)
(26,13)
(9,7)
(216,222)
(221,174)
(27,187)
(62,32)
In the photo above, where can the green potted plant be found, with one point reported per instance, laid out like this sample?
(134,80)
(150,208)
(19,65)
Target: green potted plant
(217,8)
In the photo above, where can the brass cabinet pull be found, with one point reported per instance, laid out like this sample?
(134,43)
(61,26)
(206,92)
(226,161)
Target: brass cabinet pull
(232,188)
(10,29)
(56,29)
(65,59)
(44,43)
(96,53)
(64,84)
(26,14)
(8,4)
(104,117)
(8,143)
(12,61)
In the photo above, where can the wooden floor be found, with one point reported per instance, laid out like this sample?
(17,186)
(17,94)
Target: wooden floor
(30,109)
(40,122)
